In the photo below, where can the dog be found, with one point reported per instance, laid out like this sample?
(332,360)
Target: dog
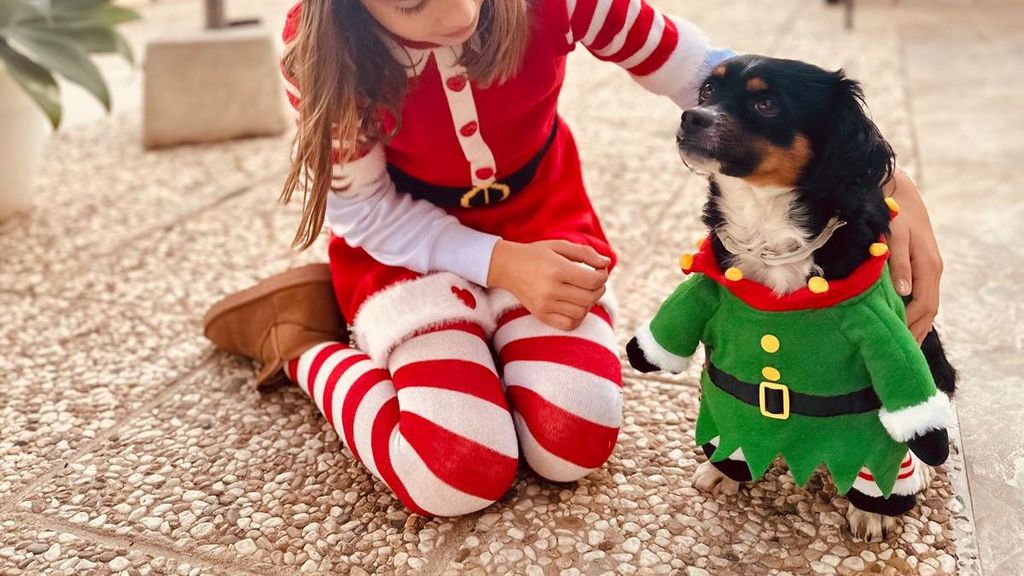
(796,170)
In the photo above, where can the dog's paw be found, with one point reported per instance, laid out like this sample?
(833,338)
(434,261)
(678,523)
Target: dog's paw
(869,526)
(710,479)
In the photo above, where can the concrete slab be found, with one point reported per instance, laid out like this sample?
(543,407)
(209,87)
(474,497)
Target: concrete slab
(212,86)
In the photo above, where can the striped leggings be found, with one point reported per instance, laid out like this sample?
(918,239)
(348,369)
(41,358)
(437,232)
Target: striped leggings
(443,431)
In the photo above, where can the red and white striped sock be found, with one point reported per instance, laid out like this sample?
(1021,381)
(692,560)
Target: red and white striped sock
(438,433)
(565,389)
(911,479)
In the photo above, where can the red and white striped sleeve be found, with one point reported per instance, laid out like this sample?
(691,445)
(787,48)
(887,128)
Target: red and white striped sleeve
(368,212)
(666,55)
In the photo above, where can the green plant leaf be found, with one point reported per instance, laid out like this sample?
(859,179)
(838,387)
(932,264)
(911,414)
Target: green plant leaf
(37,82)
(97,40)
(64,57)
(105,15)
(76,6)
(12,11)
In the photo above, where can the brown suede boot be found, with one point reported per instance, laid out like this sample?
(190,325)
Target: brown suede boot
(278,319)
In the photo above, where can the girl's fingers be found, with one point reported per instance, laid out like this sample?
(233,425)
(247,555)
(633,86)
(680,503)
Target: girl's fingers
(585,278)
(580,253)
(574,312)
(927,270)
(560,321)
(578,296)
(899,259)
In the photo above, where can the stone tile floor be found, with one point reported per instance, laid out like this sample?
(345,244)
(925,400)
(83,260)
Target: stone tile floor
(129,446)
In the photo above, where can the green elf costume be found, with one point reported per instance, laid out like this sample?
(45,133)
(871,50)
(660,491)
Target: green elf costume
(827,374)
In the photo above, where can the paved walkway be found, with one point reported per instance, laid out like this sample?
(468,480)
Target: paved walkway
(128,445)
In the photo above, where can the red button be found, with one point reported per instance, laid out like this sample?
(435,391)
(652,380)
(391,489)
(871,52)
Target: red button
(485,173)
(469,129)
(456,83)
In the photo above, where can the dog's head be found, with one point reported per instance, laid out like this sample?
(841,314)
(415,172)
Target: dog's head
(784,123)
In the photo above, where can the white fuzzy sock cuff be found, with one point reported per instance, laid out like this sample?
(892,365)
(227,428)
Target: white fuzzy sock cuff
(392,315)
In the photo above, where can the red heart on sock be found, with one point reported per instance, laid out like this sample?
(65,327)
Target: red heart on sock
(466,296)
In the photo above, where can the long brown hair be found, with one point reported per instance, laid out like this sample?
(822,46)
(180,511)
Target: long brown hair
(347,76)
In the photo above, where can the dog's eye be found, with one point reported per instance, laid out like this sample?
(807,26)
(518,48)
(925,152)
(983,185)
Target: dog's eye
(766,107)
(706,91)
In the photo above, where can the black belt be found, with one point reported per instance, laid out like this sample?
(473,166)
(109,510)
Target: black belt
(478,196)
(778,401)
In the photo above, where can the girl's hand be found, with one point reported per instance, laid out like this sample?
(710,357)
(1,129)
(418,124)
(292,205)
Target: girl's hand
(915,263)
(557,281)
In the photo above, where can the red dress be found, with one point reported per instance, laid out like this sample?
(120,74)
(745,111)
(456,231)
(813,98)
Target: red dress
(456,133)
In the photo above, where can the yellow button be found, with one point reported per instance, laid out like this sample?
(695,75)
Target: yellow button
(686,261)
(734,274)
(818,285)
(770,373)
(894,206)
(769,344)
(878,249)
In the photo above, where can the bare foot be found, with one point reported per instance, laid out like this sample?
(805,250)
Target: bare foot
(709,479)
(869,526)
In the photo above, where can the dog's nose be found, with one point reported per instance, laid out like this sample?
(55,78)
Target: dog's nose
(697,119)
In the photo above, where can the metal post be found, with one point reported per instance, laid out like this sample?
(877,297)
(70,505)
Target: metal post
(215,15)
(849,14)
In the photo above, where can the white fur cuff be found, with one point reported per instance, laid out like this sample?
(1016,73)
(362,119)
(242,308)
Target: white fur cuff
(904,424)
(657,355)
(392,315)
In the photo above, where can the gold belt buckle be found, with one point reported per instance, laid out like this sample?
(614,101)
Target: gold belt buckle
(486,189)
(784,415)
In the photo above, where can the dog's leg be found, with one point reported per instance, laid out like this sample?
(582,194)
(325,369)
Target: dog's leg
(722,477)
(871,516)
(708,478)
(869,526)
(943,373)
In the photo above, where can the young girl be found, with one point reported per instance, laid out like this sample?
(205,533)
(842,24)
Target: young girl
(429,140)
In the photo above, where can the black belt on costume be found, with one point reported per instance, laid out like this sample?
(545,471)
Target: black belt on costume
(478,196)
(777,401)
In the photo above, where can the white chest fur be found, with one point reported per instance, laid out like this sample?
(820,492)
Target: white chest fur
(768,218)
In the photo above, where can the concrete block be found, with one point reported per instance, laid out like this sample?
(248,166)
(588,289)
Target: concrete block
(212,86)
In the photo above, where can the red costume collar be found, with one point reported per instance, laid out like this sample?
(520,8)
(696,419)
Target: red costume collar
(761,297)
(823,295)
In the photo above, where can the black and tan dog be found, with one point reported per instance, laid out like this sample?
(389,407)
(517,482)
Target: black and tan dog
(796,171)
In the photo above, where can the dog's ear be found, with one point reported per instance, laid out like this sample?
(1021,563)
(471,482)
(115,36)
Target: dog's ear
(852,156)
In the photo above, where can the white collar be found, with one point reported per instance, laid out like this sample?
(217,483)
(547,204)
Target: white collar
(772,258)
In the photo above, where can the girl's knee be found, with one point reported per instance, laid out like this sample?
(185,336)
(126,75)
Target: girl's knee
(432,491)
(564,451)
(444,473)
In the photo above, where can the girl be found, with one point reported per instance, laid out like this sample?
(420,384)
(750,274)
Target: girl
(429,141)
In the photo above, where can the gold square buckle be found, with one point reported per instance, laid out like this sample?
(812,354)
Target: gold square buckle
(487,190)
(762,394)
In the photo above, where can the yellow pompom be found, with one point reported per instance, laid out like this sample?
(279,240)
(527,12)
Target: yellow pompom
(733,274)
(770,373)
(878,249)
(894,206)
(686,261)
(818,285)
(700,242)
